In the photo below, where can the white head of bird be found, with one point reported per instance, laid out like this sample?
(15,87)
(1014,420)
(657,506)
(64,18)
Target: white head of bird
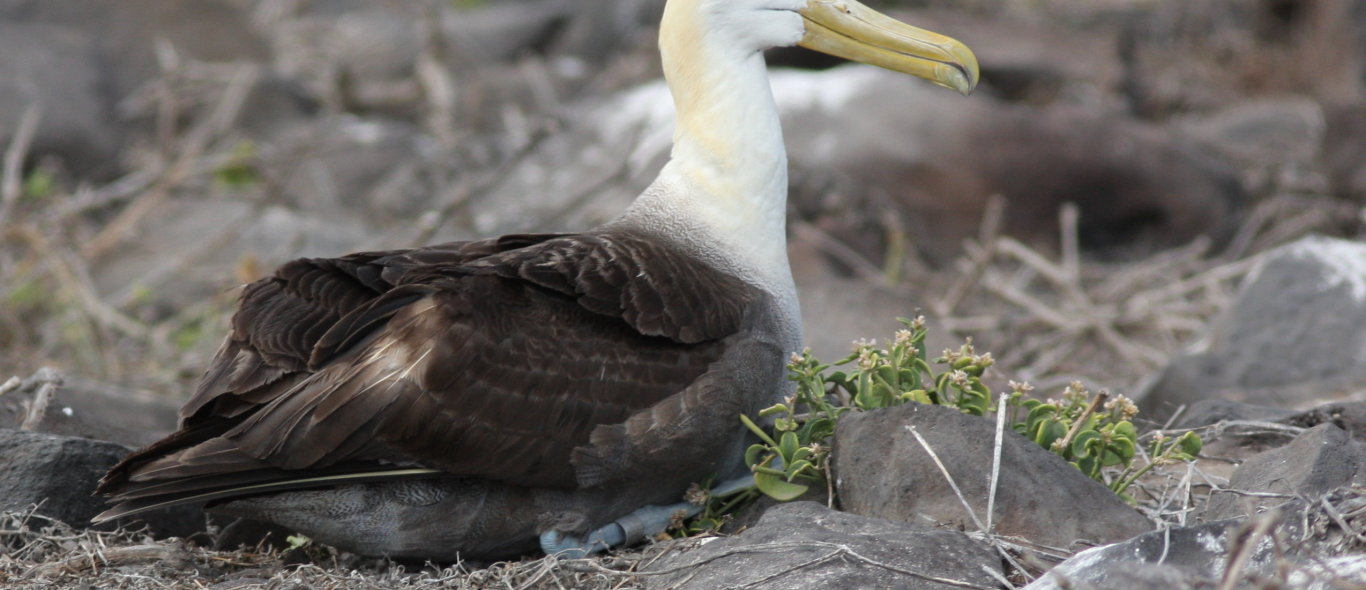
(727,174)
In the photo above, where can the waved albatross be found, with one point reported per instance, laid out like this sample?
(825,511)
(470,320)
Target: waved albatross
(480,399)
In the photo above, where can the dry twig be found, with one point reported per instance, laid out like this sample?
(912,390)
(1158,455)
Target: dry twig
(12,175)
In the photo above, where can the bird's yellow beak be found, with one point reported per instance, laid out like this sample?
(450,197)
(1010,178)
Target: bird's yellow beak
(847,29)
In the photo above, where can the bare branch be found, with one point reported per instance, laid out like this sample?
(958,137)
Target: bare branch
(12,181)
(987,237)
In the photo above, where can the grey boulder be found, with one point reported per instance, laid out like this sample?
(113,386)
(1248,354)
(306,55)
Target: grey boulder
(1349,416)
(58,474)
(881,470)
(1292,337)
(85,408)
(1298,546)
(1344,142)
(1315,463)
(806,545)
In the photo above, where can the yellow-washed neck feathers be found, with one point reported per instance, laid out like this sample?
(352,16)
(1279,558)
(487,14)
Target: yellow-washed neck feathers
(724,191)
(726,181)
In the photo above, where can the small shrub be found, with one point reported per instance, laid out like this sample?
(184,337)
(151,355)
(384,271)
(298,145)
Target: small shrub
(1088,431)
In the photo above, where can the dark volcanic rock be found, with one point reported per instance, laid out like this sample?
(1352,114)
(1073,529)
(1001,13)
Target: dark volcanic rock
(1299,546)
(1292,336)
(79,60)
(53,69)
(374,56)
(778,553)
(1236,430)
(126,32)
(881,470)
(59,474)
(1349,416)
(1136,186)
(1239,430)
(1344,147)
(1213,411)
(86,409)
(1275,142)
(1318,461)
(1286,129)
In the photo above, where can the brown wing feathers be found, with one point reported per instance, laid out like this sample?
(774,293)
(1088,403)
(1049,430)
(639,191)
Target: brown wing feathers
(493,359)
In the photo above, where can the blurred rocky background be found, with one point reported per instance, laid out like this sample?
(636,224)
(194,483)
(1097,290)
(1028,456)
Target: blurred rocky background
(1127,201)
(1076,216)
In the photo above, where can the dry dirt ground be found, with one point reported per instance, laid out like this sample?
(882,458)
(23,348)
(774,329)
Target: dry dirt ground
(39,554)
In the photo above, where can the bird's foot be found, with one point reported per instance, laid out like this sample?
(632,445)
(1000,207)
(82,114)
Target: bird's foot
(566,546)
(644,522)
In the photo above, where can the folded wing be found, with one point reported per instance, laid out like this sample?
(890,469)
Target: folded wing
(526,359)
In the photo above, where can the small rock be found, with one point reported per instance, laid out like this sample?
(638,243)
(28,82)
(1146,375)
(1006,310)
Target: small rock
(79,61)
(863,552)
(1344,143)
(1236,431)
(1286,130)
(881,470)
(1292,551)
(371,52)
(1213,411)
(52,68)
(272,104)
(127,31)
(1318,461)
(1274,141)
(59,474)
(1292,336)
(1175,559)
(1349,416)
(87,409)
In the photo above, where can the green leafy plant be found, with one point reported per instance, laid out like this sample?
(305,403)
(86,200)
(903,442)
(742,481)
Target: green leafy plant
(794,457)
(1092,432)
(39,184)
(28,294)
(297,542)
(1074,429)
(1088,431)
(240,169)
(717,509)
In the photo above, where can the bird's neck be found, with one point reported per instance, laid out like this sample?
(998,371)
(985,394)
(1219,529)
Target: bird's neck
(728,169)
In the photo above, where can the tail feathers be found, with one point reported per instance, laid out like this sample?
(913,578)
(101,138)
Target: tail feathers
(138,498)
